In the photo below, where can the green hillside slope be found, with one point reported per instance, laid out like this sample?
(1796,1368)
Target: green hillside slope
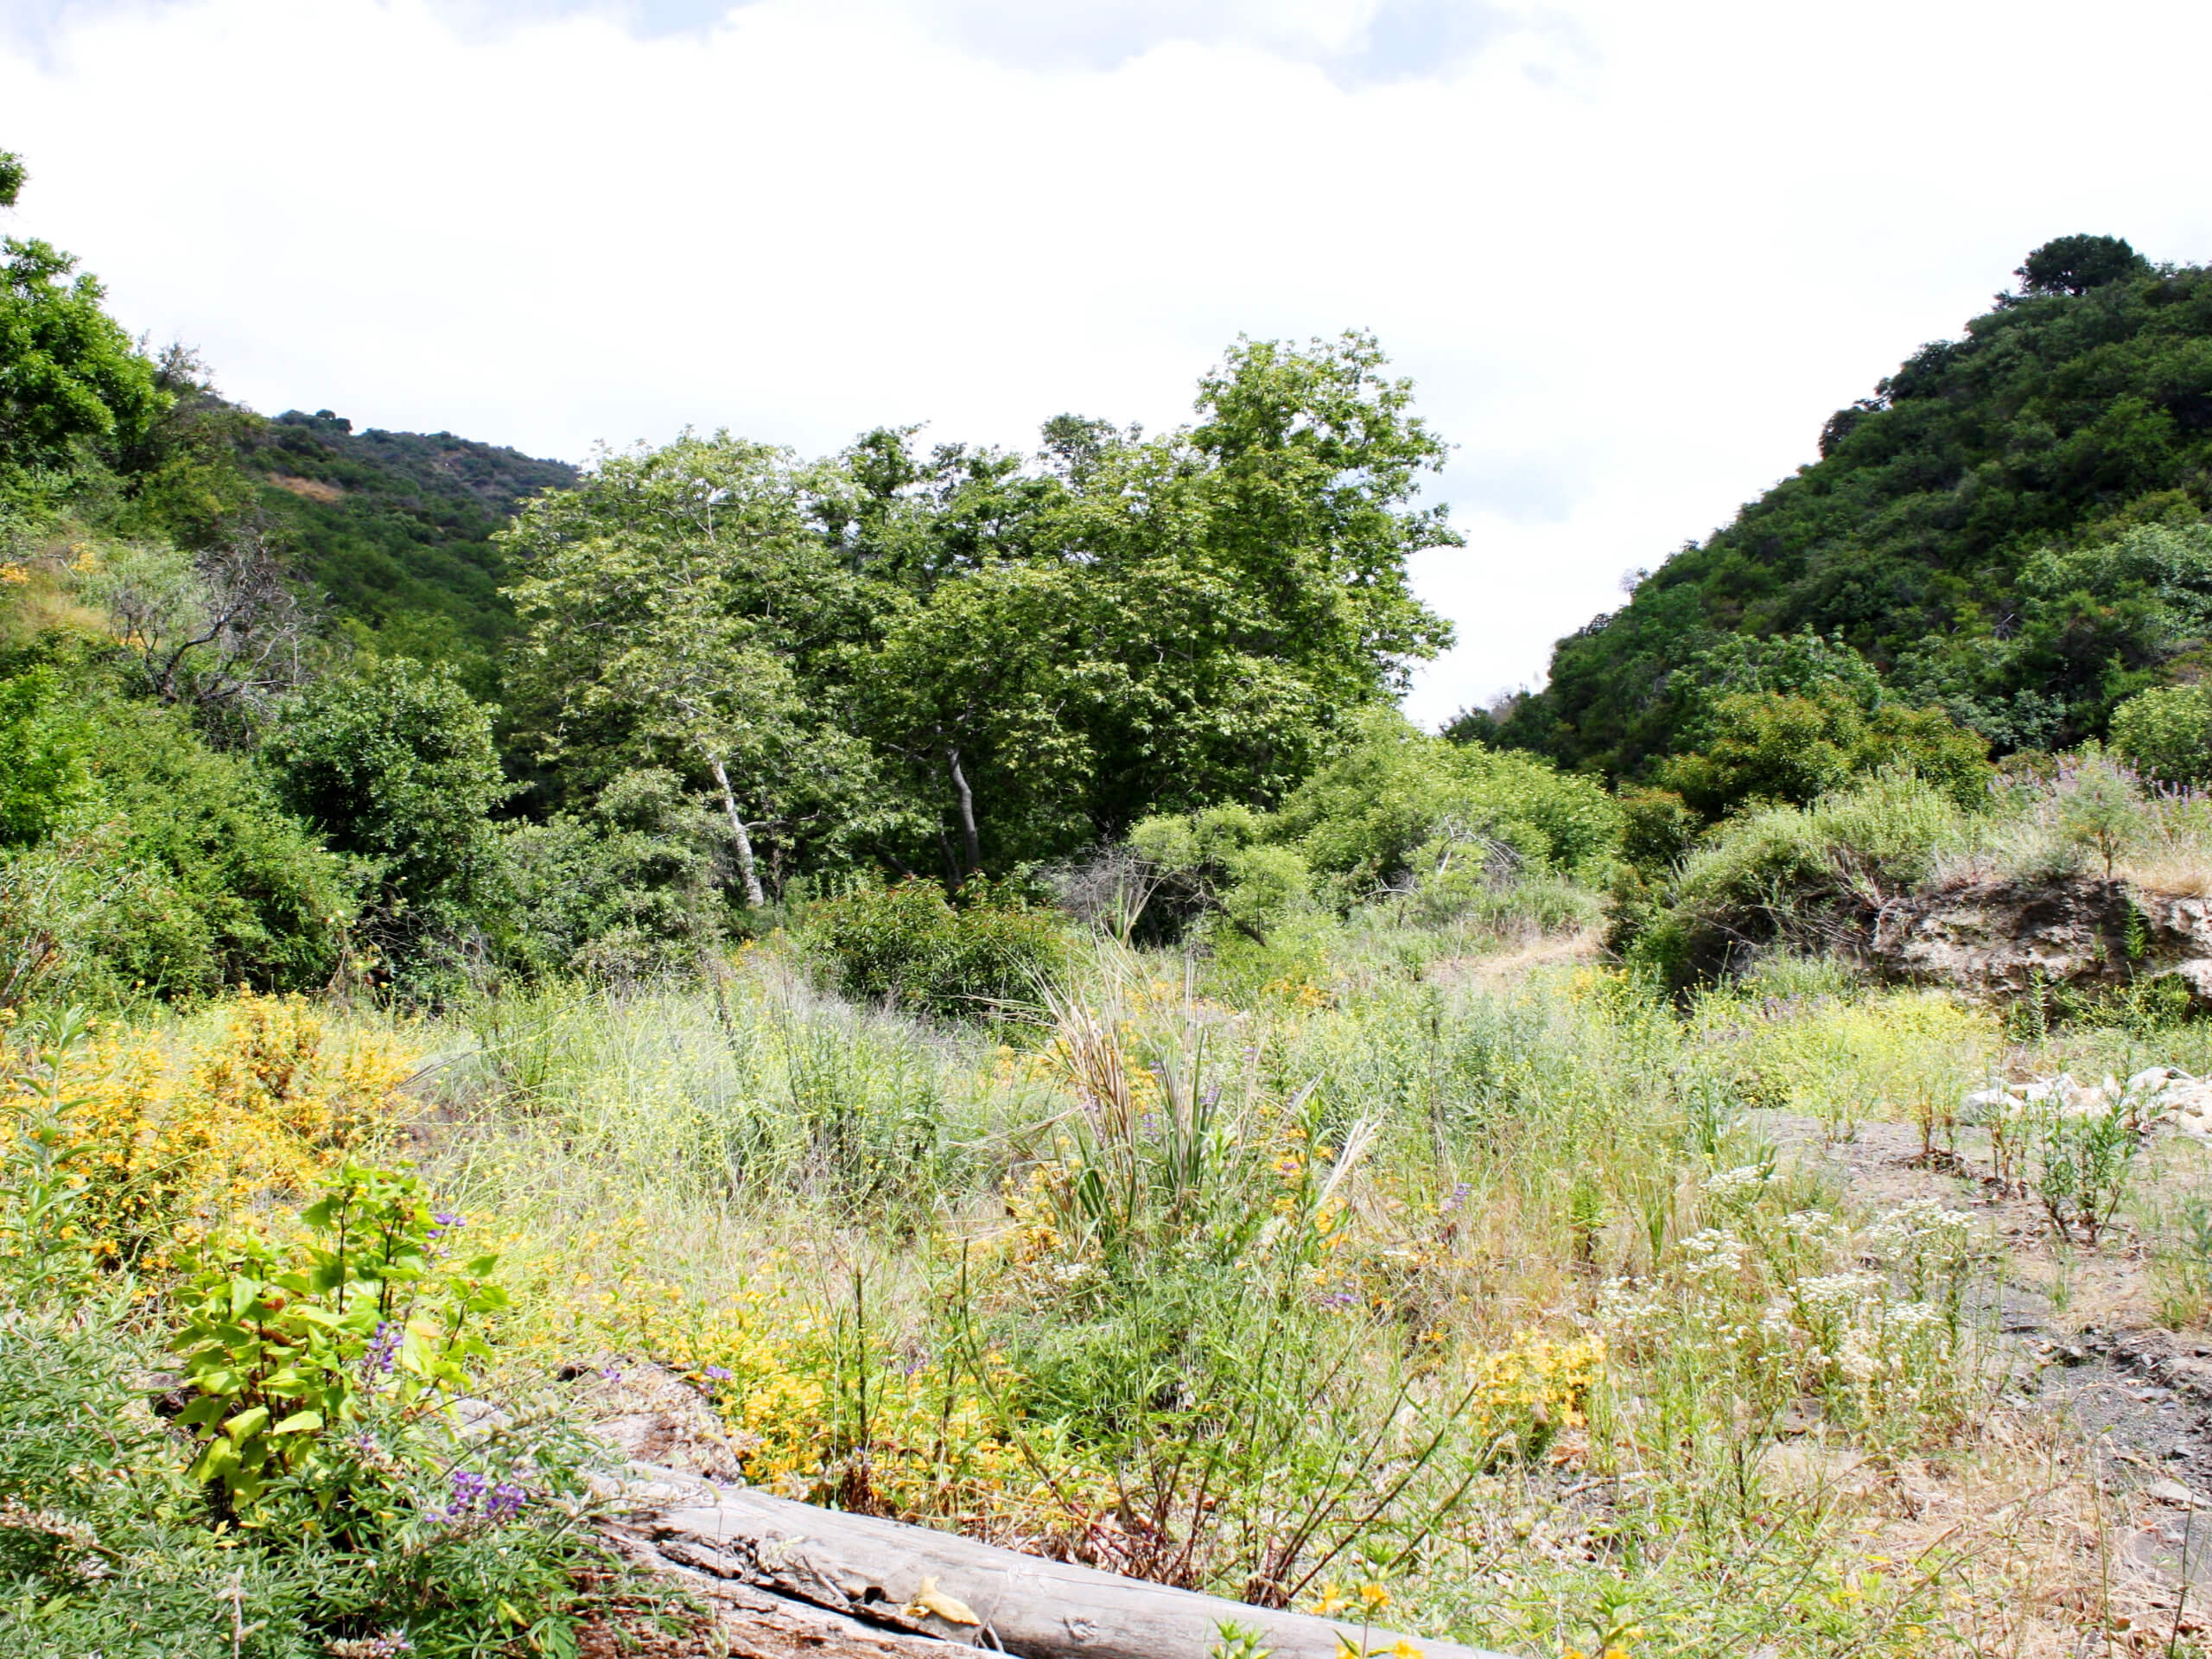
(1977,528)
(396,527)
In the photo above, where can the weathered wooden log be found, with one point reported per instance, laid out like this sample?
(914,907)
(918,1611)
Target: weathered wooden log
(975,1595)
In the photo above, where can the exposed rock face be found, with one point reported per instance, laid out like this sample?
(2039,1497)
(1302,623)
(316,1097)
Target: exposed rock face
(2001,939)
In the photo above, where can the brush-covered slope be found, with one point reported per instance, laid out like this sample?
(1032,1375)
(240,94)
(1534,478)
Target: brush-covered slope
(2010,525)
(396,527)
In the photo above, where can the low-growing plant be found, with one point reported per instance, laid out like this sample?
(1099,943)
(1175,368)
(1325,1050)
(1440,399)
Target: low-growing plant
(2079,1158)
(286,1347)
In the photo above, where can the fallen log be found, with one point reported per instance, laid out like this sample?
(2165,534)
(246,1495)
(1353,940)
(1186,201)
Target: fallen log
(938,1584)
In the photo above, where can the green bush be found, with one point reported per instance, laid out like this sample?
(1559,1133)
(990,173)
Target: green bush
(1767,747)
(2167,733)
(911,945)
(1378,813)
(625,891)
(42,774)
(223,886)
(397,768)
(134,858)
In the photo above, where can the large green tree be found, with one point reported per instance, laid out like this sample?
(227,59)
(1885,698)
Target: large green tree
(68,372)
(676,601)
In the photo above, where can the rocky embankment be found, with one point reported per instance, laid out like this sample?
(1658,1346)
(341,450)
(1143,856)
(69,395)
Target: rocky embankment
(2001,939)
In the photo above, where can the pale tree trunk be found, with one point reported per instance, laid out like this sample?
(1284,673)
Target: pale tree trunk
(751,876)
(971,844)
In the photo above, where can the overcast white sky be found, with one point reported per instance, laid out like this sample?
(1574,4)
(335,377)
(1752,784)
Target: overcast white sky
(1634,254)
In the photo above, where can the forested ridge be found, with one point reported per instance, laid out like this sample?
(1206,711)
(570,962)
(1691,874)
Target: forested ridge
(2009,527)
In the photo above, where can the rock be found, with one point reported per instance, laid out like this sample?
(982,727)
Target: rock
(2174,1493)
(2003,939)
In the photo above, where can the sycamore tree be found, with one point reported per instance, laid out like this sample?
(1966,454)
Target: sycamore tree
(962,657)
(1251,575)
(676,601)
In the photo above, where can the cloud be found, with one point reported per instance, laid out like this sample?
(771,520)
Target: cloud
(1633,256)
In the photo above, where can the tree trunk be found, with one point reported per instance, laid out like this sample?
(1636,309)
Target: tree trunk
(971,844)
(751,876)
(972,1595)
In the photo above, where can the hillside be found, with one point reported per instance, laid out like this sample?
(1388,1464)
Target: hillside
(1966,527)
(396,527)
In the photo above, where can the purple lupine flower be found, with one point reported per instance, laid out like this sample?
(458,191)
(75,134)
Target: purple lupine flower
(382,1351)
(445,1220)
(1451,1206)
(1340,1299)
(610,1373)
(1213,1096)
(718,1373)
(507,1499)
(468,1492)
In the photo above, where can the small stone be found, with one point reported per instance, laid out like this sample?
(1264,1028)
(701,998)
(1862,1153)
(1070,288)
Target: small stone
(2180,1454)
(2173,1492)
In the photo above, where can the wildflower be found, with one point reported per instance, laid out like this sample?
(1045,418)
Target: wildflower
(383,1349)
(386,1646)
(467,1491)
(1375,1597)
(718,1373)
(506,1502)
(1333,1600)
(1402,1648)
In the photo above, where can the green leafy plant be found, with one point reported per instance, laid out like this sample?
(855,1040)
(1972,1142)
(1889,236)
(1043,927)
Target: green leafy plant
(2080,1160)
(44,1252)
(284,1347)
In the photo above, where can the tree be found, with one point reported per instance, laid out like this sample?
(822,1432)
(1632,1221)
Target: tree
(222,630)
(2074,264)
(1250,576)
(674,600)
(11,177)
(68,372)
(397,766)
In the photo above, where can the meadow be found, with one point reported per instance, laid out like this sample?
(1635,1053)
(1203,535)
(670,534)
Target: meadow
(1438,1272)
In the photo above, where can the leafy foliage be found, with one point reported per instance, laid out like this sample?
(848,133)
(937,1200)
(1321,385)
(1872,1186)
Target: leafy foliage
(281,1349)
(2167,733)
(397,768)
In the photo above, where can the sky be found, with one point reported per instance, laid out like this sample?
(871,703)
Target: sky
(1632,255)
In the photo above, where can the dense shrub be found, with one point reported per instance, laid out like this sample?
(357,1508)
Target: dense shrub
(1765,747)
(625,891)
(221,885)
(43,744)
(397,768)
(1386,807)
(910,944)
(1798,877)
(2167,733)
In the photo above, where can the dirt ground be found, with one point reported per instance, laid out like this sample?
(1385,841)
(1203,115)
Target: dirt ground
(2091,1376)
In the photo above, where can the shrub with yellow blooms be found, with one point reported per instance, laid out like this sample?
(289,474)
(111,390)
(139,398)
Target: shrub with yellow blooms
(262,1111)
